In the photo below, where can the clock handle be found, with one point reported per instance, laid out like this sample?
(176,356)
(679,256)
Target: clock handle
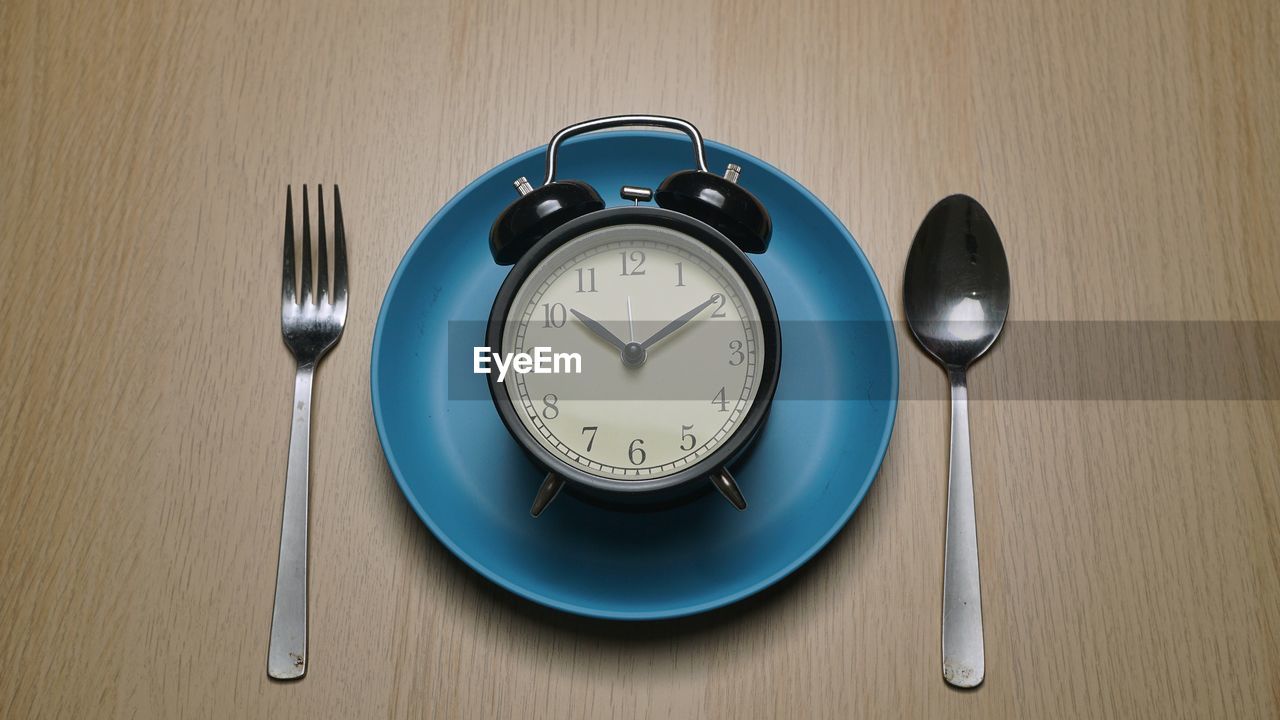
(728,487)
(604,123)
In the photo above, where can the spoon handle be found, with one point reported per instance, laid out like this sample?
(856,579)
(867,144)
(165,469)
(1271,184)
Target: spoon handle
(963,657)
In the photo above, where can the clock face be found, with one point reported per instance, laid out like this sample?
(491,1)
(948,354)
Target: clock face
(669,340)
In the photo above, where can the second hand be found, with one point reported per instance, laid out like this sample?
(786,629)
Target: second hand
(631,328)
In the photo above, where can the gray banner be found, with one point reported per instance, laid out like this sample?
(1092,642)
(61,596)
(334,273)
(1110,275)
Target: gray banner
(1033,360)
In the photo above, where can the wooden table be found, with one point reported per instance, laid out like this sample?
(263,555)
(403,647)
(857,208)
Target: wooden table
(1128,152)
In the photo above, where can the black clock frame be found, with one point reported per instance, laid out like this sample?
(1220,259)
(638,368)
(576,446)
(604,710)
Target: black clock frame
(665,488)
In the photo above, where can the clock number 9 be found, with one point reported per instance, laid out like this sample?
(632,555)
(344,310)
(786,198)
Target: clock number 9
(549,409)
(635,453)
(736,357)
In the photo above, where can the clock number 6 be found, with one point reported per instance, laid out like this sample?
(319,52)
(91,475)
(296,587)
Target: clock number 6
(635,453)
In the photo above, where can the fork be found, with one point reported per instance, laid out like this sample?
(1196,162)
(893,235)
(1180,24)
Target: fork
(311,324)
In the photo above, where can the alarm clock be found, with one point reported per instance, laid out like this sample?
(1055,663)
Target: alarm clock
(674,332)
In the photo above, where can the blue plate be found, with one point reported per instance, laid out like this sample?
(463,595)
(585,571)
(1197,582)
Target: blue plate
(472,486)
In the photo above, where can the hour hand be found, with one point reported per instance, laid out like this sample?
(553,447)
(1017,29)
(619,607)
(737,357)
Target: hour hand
(599,330)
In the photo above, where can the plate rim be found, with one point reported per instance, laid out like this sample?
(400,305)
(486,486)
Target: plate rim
(603,613)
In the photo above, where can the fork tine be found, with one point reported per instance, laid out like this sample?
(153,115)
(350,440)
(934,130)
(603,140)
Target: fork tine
(339,251)
(307,269)
(322,254)
(289,290)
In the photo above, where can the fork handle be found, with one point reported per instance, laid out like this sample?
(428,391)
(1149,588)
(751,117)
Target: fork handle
(287,657)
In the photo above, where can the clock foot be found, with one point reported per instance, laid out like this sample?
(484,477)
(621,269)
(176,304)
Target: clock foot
(550,488)
(728,487)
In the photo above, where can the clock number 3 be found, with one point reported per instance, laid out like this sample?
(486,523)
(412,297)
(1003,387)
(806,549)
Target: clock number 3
(736,357)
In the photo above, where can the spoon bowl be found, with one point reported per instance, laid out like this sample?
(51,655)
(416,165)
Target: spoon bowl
(956,291)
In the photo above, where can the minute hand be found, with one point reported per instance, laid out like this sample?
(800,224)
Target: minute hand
(678,323)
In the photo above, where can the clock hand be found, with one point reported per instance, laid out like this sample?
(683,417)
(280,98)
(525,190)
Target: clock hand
(631,326)
(678,323)
(599,330)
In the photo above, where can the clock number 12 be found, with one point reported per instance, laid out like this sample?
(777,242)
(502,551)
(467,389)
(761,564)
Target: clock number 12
(637,257)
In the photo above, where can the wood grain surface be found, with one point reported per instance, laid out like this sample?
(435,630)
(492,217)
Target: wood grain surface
(1128,151)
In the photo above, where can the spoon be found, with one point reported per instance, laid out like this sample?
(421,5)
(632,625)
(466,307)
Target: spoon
(956,296)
